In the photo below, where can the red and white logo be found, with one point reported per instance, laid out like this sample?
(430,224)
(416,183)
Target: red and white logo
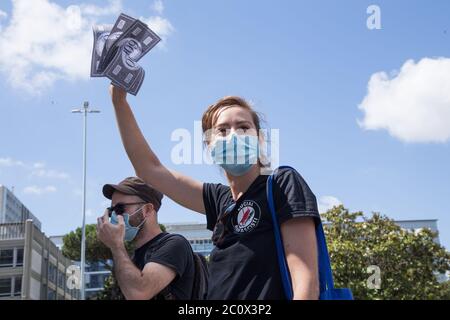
(247,218)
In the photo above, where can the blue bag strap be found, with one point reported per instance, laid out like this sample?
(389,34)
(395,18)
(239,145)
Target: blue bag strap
(325,273)
(285,275)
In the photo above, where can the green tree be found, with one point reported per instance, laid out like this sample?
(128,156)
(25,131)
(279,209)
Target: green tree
(409,261)
(95,250)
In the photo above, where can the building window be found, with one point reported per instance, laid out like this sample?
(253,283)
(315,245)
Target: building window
(61,280)
(51,295)
(52,273)
(5,287)
(19,257)
(6,258)
(89,294)
(17,286)
(97,281)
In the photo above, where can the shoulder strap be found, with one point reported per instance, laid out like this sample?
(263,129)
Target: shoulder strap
(165,293)
(200,285)
(282,263)
(325,274)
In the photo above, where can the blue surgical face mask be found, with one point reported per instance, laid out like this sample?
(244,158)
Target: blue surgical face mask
(130,232)
(236,154)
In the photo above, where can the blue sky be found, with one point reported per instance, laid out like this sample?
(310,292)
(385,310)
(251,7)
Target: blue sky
(306,65)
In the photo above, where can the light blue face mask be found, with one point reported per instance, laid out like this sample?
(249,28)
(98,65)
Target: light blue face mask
(130,232)
(235,153)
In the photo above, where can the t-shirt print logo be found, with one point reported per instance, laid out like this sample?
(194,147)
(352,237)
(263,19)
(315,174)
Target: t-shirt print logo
(247,218)
(245,215)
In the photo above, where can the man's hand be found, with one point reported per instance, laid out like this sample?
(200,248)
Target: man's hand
(118,95)
(110,234)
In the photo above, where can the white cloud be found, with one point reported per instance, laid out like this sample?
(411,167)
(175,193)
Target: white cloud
(45,42)
(114,8)
(34,190)
(158,7)
(328,202)
(3,15)
(161,26)
(89,212)
(52,174)
(77,192)
(38,165)
(8,162)
(37,169)
(413,105)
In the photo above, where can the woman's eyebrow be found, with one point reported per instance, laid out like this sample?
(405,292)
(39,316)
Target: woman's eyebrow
(243,122)
(222,124)
(226,124)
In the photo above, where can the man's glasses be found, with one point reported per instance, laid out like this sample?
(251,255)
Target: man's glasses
(119,208)
(221,230)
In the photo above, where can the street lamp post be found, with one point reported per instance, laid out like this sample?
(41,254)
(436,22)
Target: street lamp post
(85,110)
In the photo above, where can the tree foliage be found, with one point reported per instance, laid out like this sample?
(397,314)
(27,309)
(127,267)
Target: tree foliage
(409,261)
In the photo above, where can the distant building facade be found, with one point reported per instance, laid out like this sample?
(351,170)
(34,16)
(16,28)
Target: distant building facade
(31,266)
(417,225)
(95,273)
(196,233)
(12,210)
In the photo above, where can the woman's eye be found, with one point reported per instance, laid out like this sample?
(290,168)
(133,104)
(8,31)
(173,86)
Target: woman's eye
(222,131)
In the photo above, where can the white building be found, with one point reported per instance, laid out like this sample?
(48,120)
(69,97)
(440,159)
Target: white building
(95,273)
(12,210)
(417,225)
(196,233)
(31,266)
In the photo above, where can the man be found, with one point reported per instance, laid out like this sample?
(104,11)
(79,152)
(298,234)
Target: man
(162,265)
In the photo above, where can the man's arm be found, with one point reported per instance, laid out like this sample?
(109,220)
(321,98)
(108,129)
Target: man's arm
(133,283)
(300,245)
(137,285)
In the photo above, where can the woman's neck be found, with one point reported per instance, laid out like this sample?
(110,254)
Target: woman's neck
(239,185)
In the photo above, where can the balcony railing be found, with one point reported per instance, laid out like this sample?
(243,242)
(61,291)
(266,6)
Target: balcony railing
(10,231)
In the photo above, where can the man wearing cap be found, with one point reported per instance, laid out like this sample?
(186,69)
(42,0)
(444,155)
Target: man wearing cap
(162,265)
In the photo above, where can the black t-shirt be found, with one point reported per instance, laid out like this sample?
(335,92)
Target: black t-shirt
(174,252)
(244,266)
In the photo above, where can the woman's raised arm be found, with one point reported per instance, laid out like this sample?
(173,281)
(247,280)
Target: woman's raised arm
(180,188)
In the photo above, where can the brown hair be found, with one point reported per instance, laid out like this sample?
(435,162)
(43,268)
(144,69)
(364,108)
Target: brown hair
(211,114)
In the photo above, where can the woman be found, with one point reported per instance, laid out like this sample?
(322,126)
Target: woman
(243,264)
